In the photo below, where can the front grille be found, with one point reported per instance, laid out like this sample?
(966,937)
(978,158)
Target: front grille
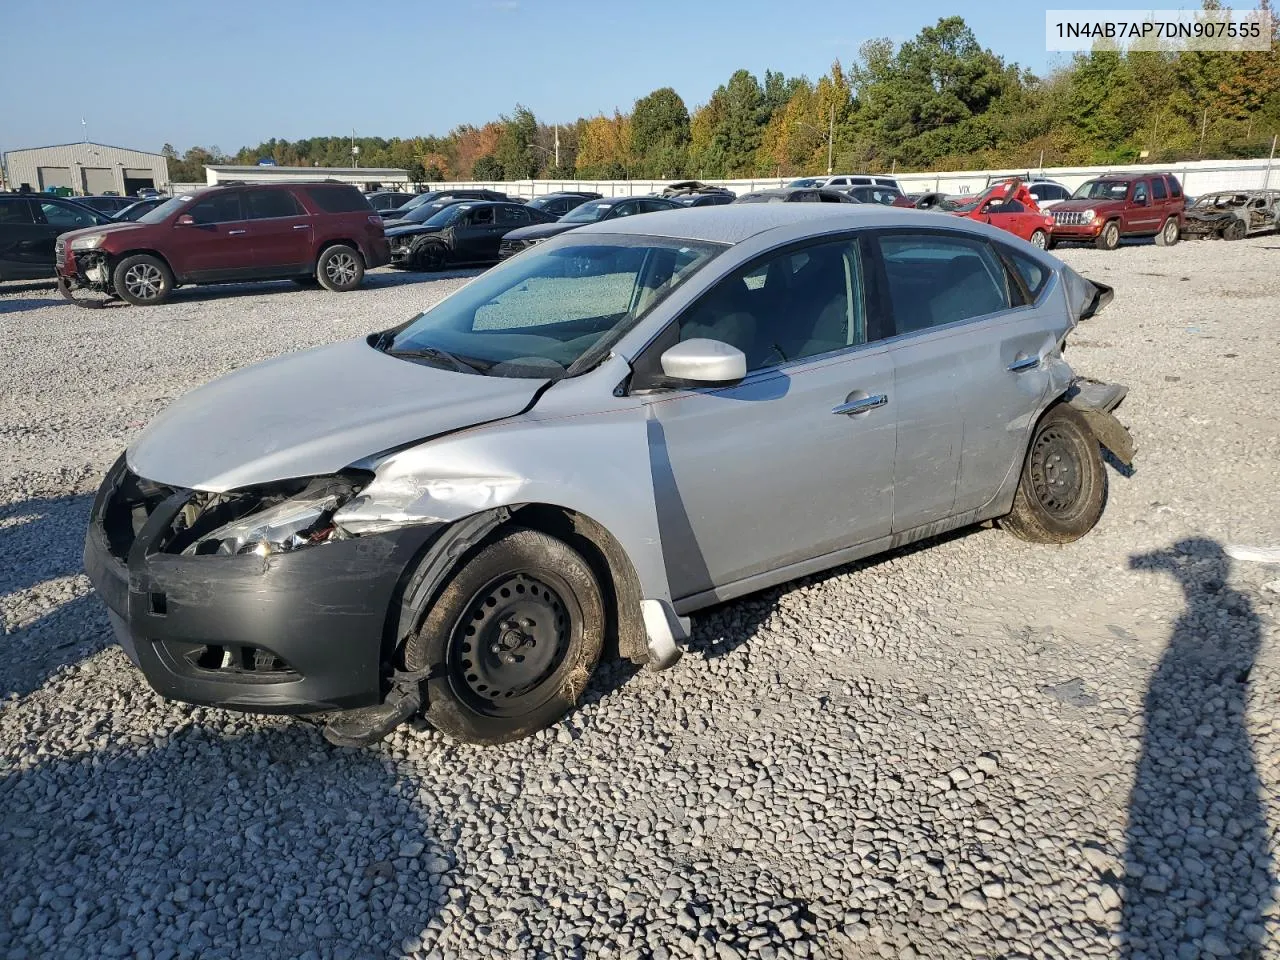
(59,251)
(1070,218)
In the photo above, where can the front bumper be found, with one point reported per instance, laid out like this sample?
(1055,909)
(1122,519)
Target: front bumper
(1086,231)
(300,632)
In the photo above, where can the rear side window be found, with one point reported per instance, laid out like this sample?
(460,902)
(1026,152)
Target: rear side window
(1157,188)
(1140,191)
(15,211)
(510,216)
(338,199)
(220,208)
(1175,188)
(936,279)
(1033,274)
(268,204)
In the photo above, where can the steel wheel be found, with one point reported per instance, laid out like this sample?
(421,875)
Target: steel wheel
(1055,472)
(341,269)
(511,643)
(144,281)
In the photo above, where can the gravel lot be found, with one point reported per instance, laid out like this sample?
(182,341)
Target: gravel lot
(974,748)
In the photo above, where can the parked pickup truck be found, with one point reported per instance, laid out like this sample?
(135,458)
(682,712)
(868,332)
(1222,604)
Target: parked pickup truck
(1102,211)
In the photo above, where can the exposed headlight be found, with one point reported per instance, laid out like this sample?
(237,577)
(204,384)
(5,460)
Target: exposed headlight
(1089,215)
(286,526)
(90,242)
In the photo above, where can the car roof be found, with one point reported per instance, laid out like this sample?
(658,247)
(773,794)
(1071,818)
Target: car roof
(732,223)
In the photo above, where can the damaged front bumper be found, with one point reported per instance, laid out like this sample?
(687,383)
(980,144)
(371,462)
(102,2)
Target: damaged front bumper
(305,631)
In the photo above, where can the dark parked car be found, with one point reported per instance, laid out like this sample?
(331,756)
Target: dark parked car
(694,193)
(1102,211)
(136,211)
(29,226)
(430,195)
(110,204)
(886,196)
(466,232)
(384,200)
(796,195)
(594,211)
(325,232)
(558,204)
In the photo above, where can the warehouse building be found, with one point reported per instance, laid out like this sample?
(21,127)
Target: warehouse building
(366,178)
(86,169)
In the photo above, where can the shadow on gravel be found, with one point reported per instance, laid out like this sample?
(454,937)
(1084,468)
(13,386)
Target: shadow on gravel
(40,544)
(22,304)
(212,846)
(1197,871)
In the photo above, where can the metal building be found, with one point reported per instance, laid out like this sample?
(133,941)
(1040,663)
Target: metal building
(86,169)
(366,178)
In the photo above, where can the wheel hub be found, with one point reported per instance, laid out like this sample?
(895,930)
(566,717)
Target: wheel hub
(512,640)
(1055,472)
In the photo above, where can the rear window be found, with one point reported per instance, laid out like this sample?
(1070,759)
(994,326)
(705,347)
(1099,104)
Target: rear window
(338,199)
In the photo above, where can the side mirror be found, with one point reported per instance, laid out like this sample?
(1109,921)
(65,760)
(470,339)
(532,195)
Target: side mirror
(704,361)
(186,220)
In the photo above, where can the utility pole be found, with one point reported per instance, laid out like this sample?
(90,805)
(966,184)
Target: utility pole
(1266,183)
(557,149)
(355,151)
(1204,123)
(831,137)
(84,130)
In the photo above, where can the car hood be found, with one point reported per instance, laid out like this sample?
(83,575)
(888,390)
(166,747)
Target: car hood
(314,412)
(540,231)
(407,229)
(123,226)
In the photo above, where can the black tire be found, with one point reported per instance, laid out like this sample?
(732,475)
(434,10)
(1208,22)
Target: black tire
(529,605)
(1169,233)
(1235,230)
(1109,238)
(340,268)
(1063,486)
(1039,240)
(430,255)
(142,280)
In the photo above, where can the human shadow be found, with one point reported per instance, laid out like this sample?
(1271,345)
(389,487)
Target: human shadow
(41,541)
(1197,873)
(264,845)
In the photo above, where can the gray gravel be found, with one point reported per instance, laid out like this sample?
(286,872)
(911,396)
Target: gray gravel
(975,748)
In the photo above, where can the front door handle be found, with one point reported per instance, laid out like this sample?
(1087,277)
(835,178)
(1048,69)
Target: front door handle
(1024,363)
(861,404)
(235,233)
(302,226)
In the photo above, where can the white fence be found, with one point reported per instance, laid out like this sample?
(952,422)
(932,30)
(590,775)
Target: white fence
(1198,176)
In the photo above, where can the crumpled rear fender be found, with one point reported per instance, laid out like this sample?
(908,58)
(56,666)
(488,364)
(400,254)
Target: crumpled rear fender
(1095,400)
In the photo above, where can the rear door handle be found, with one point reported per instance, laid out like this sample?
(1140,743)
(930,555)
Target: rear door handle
(302,226)
(861,404)
(234,233)
(1024,363)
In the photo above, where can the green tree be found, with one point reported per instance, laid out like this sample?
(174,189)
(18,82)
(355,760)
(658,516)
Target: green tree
(488,168)
(660,134)
(514,151)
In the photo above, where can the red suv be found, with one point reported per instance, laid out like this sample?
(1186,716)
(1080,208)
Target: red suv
(324,232)
(1102,211)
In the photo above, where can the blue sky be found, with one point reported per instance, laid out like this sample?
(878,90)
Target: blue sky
(231,73)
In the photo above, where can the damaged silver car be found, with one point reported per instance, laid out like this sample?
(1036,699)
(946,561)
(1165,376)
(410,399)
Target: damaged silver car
(1232,214)
(456,517)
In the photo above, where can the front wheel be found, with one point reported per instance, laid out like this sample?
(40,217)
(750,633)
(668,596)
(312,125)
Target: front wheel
(430,256)
(510,643)
(1169,234)
(1064,483)
(340,269)
(1040,240)
(1109,238)
(142,280)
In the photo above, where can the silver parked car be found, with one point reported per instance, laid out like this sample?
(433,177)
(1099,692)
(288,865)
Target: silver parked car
(578,449)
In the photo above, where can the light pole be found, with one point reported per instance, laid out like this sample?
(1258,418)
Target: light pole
(355,151)
(831,135)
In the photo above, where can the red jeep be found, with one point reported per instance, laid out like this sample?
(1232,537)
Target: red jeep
(1102,211)
(308,232)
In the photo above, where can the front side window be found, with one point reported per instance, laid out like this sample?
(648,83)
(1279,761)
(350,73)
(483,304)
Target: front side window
(220,208)
(481,217)
(269,204)
(541,313)
(793,305)
(936,279)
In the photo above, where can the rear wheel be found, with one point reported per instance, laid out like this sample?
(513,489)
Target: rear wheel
(1064,483)
(1169,234)
(1109,238)
(1235,230)
(340,268)
(142,280)
(510,643)
(1040,240)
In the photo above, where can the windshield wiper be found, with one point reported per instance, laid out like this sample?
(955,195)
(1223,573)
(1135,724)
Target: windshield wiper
(435,353)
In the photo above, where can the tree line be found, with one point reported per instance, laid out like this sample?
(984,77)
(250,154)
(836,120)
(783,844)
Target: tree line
(938,101)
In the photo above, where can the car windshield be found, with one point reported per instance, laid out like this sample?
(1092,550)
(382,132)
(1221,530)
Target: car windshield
(426,211)
(1102,190)
(588,212)
(445,215)
(552,311)
(805,182)
(167,209)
